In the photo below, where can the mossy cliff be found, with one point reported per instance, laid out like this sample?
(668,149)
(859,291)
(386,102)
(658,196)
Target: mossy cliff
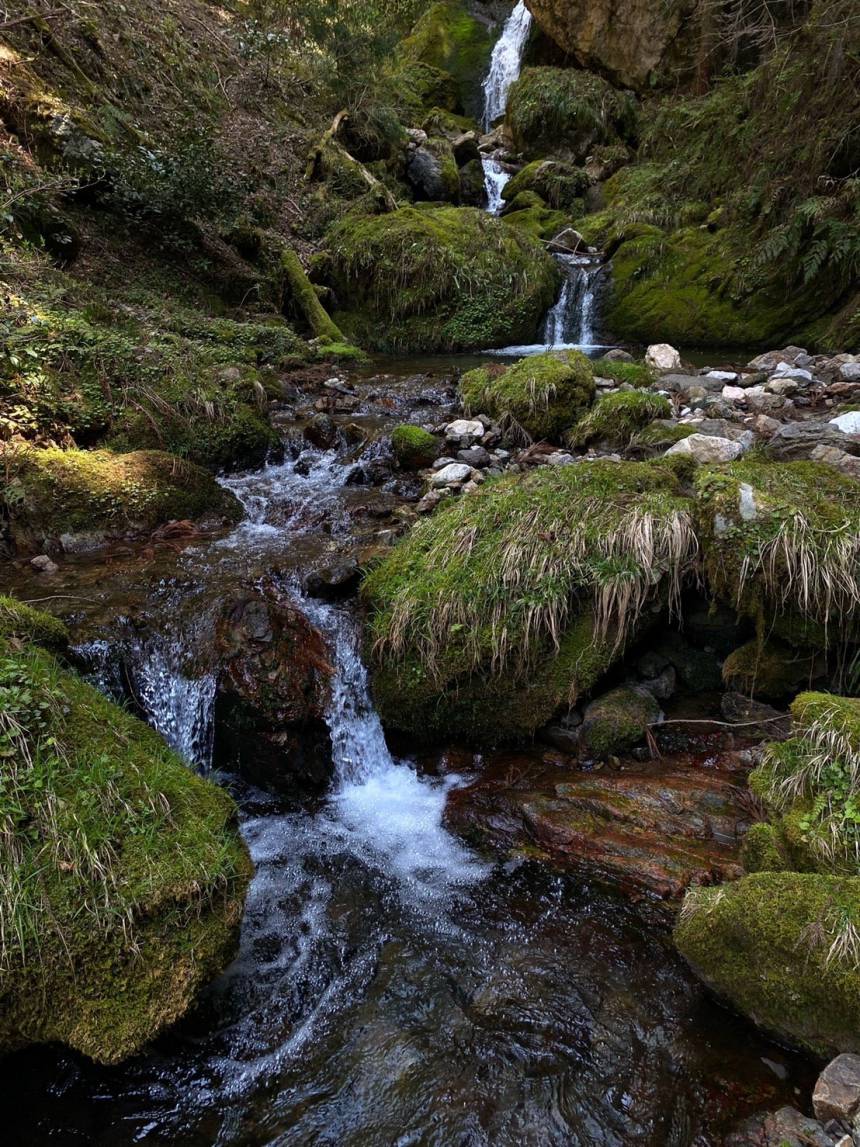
(123,873)
(433,278)
(539,397)
(450,39)
(77,499)
(508,603)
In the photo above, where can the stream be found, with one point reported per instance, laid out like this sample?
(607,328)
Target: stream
(392,987)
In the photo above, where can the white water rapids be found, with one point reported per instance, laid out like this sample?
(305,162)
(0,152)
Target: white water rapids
(505,65)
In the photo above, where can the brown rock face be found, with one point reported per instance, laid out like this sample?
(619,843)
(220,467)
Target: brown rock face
(650,831)
(273,692)
(629,41)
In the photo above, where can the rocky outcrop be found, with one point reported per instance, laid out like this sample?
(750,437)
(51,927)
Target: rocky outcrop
(273,692)
(632,42)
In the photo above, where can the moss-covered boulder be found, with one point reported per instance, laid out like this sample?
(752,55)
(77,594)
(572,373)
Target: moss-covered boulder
(782,948)
(529,213)
(414,448)
(124,874)
(20,624)
(451,40)
(616,418)
(772,669)
(439,278)
(618,721)
(566,111)
(78,499)
(782,542)
(561,185)
(539,397)
(509,604)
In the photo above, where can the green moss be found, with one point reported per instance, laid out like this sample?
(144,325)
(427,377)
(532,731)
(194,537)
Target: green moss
(619,721)
(21,623)
(126,873)
(633,373)
(414,448)
(450,39)
(439,278)
(552,110)
(305,298)
(561,185)
(659,435)
(768,669)
(615,418)
(539,397)
(96,494)
(763,850)
(528,213)
(483,618)
(782,538)
(766,944)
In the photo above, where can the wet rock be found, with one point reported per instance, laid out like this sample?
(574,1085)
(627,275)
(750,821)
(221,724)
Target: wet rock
(273,693)
(663,685)
(755,718)
(567,242)
(618,720)
(784,1128)
(43,564)
(321,431)
(332,582)
(700,670)
(837,1092)
(662,357)
(452,475)
(705,448)
(797,440)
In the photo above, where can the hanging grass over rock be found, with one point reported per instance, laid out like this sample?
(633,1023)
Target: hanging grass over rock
(122,874)
(438,278)
(783,539)
(81,498)
(539,397)
(529,578)
(616,418)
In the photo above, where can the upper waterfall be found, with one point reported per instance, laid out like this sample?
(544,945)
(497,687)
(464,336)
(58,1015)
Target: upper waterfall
(505,63)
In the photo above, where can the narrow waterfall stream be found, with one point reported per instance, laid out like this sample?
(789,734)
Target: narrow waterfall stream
(391,987)
(505,64)
(570,323)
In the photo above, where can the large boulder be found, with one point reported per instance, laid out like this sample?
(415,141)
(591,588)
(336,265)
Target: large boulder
(439,278)
(124,872)
(452,41)
(76,500)
(636,43)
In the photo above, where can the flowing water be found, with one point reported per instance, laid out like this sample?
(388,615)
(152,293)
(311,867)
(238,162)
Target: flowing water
(571,321)
(505,64)
(391,987)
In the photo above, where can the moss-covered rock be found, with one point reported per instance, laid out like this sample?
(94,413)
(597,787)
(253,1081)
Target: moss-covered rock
(771,669)
(77,499)
(659,435)
(21,624)
(781,947)
(529,213)
(449,39)
(633,373)
(616,418)
(124,873)
(539,397)
(783,539)
(439,278)
(618,721)
(561,185)
(414,448)
(563,110)
(509,604)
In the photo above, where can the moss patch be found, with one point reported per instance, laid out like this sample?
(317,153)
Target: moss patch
(21,624)
(124,874)
(451,40)
(539,397)
(414,448)
(561,185)
(616,418)
(439,278)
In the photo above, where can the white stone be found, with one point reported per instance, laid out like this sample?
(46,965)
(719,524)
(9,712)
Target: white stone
(734,393)
(848,423)
(662,356)
(850,371)
(465,428)
(560,459)
(723,375)
(783,386)
(706,448)
(747,503)
(786,370)
(451,475)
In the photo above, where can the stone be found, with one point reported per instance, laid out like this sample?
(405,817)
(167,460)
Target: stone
(425,172)
(734,393)
(429,502)
(332,582)
(618,355)
(761,400)
(839,459)
(850,372)
(618,720)
(837,1092)
(705,448)
(797,440)
(464,428)
(726,376)
(44,564)
(663,357)
(787,370)
(465,148)
(441,463)
(321,431)
(690,383)
(453,475)
(785,387)
(560,458)
(848,423)
(766,426)
(663,686)
(567,242)
(771,359)
(756,718)
(475,456)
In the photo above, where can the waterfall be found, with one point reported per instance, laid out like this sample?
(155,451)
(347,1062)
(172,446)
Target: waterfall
(505,64)
(571,321)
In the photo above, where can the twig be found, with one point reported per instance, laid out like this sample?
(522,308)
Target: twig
(59,597)
(31,16)
(713,721)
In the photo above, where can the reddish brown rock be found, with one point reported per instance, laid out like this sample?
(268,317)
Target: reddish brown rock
(649,830)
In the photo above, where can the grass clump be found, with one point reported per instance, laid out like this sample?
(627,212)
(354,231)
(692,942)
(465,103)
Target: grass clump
(563,110)
(530,580)
(616,418)
(634,373)
(414,448)
(539,397)
(783,947)
(438,278)
(96,494)
(122,874)
(782,539)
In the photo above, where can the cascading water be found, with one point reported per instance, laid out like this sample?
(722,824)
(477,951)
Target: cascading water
(505,64)
(570,323)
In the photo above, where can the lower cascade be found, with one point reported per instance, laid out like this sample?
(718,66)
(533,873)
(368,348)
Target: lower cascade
(571,322)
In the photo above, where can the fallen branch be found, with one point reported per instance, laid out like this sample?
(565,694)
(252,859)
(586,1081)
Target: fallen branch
(32,18)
